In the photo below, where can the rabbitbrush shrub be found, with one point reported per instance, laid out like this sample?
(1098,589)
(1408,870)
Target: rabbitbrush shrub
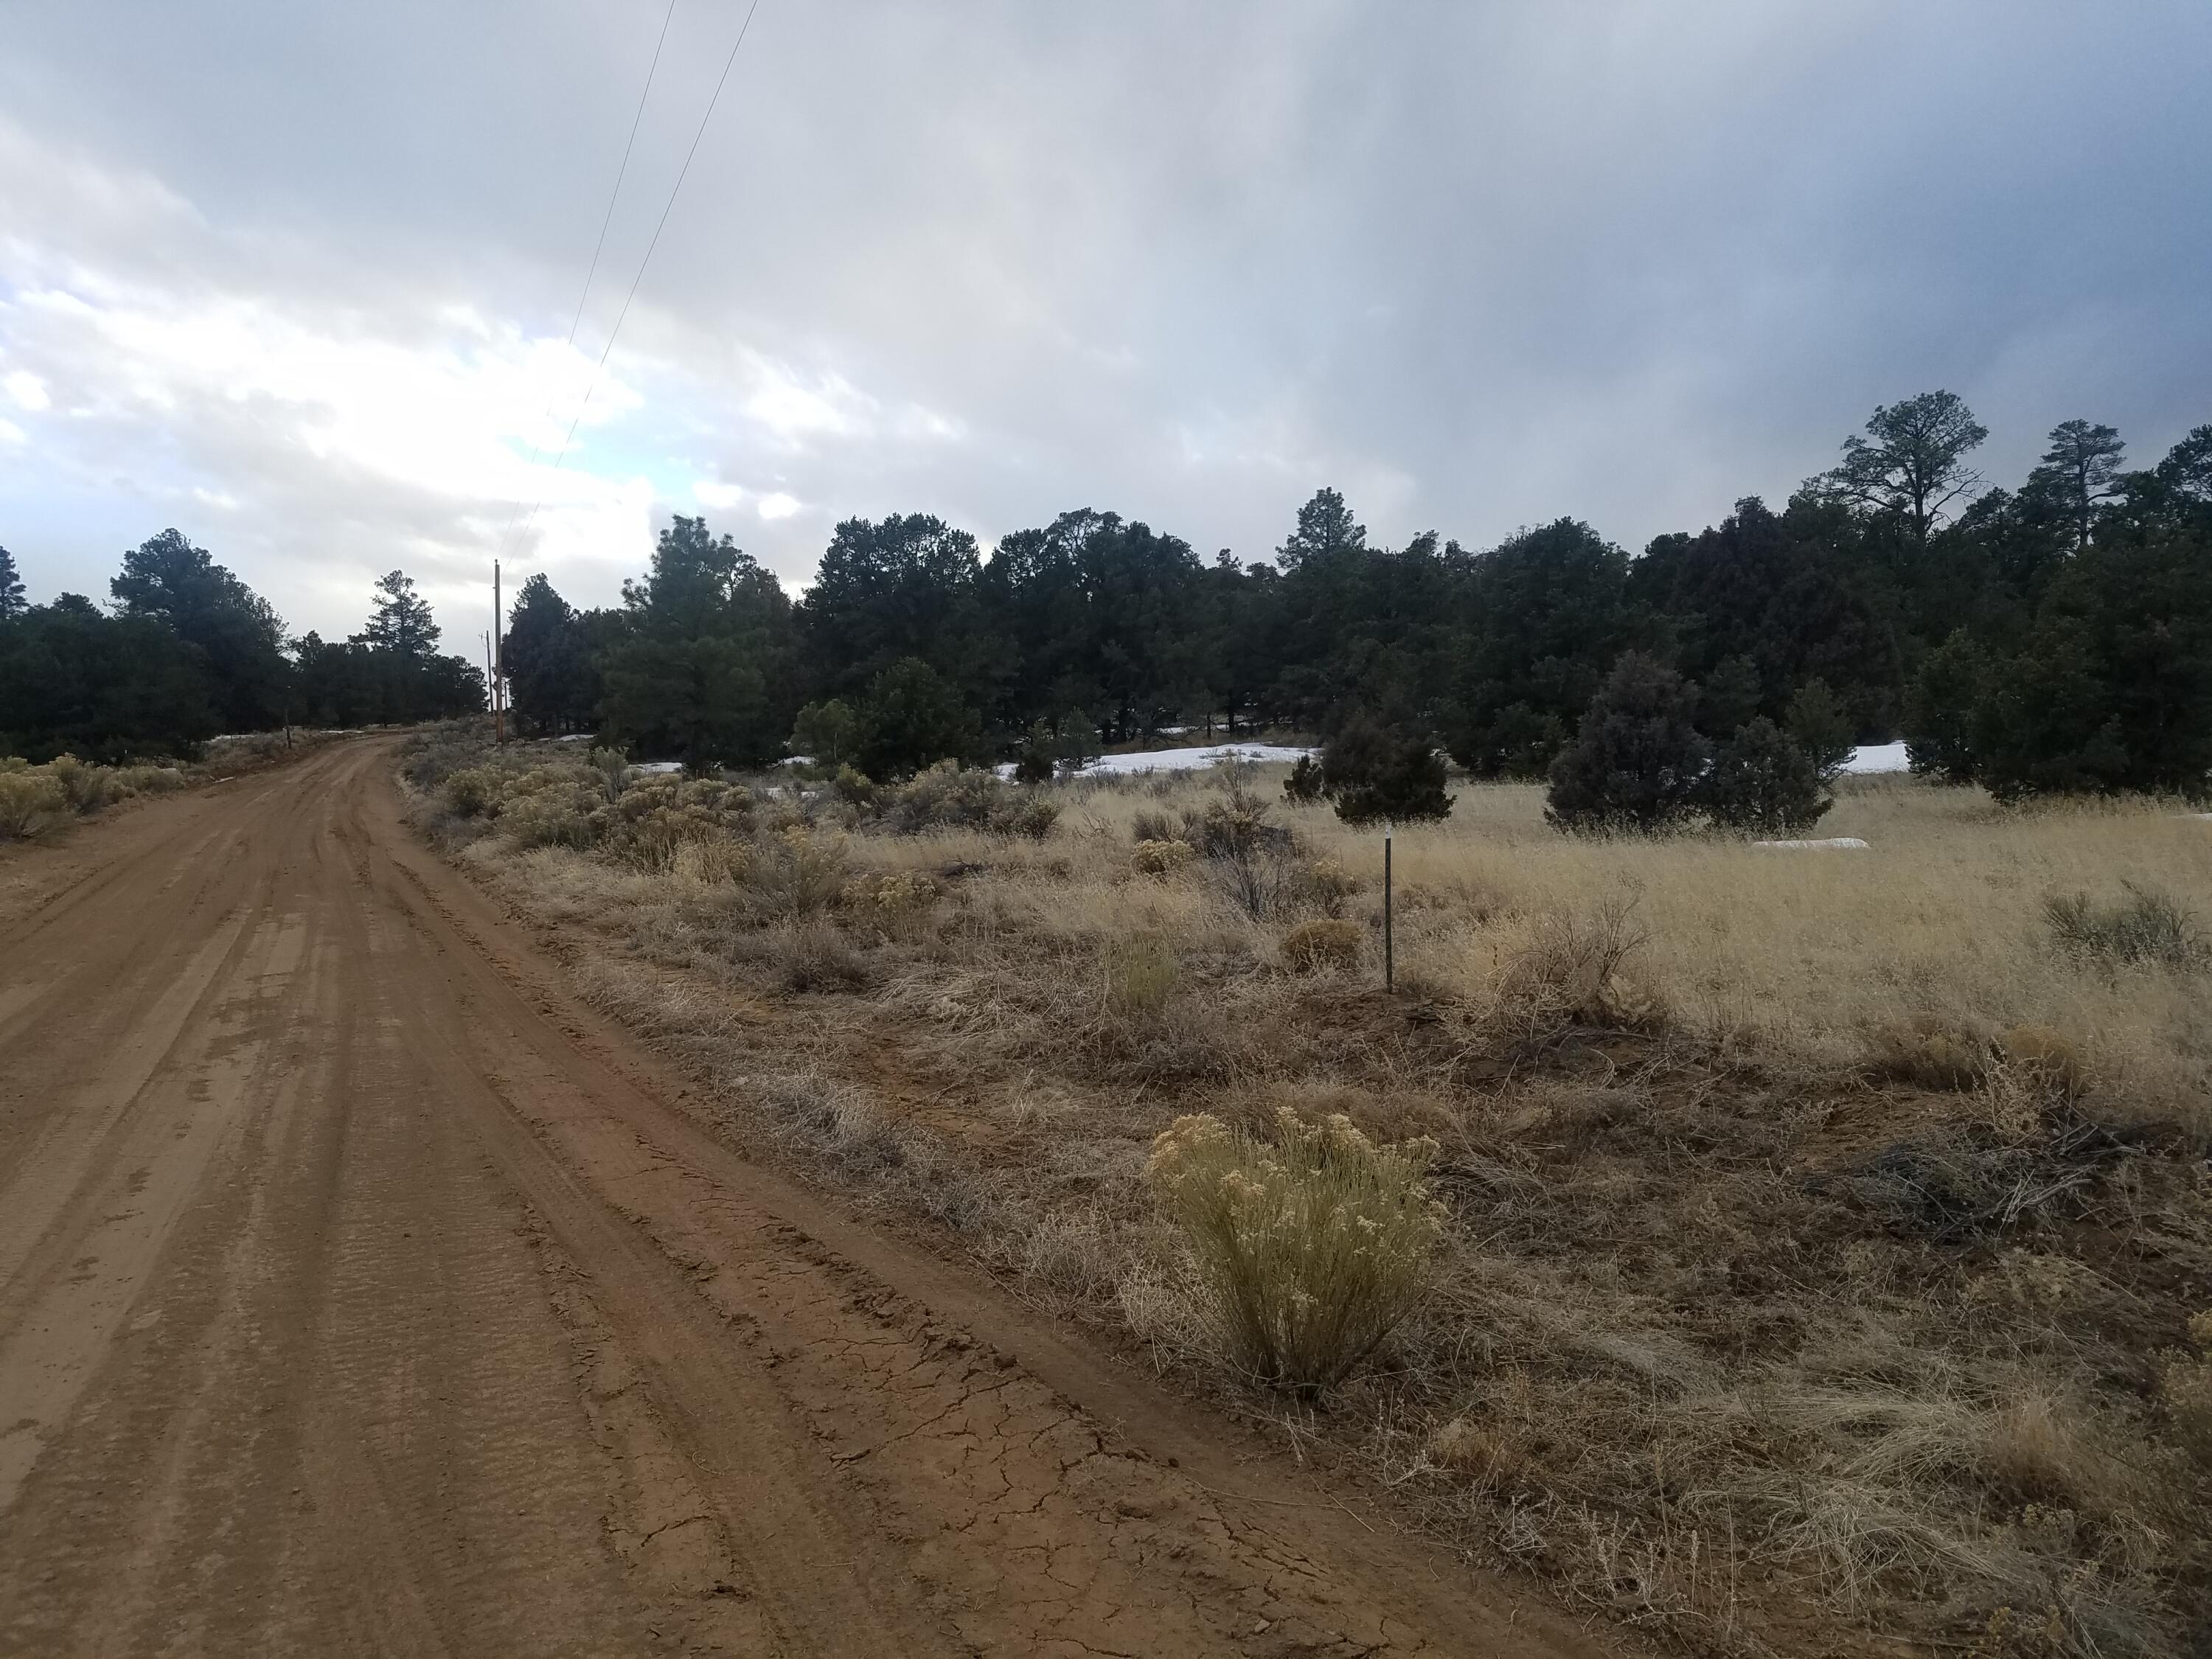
(1309,1248)
(88,789)
(27,800)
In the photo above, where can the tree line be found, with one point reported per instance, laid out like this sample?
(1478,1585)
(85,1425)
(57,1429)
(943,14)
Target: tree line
(185,650)
(2053,636)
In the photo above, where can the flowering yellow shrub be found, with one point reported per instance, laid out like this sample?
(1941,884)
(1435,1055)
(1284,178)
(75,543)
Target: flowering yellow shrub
(1309,1248)
(1163,858)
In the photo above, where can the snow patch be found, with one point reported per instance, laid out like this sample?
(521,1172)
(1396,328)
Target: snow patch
(1192,760)
(1878,757)
(1839,843)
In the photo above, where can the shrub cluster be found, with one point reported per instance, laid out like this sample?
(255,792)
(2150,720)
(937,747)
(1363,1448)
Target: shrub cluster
(645,824)
(949,797)
(34,799)
(1262,866)
(1638,763)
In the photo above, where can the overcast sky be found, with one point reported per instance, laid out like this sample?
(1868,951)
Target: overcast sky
(296,277)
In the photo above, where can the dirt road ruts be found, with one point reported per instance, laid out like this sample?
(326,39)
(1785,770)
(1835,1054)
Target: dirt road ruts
(361,1293)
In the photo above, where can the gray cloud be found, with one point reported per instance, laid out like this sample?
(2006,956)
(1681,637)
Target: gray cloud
(295,278)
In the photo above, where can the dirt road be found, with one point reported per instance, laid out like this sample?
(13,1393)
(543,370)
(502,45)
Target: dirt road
(361,1293)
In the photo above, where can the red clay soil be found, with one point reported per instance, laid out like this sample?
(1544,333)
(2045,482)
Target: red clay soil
(359,1293)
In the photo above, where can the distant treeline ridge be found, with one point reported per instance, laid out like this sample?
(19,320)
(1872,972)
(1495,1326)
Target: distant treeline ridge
(2056,636)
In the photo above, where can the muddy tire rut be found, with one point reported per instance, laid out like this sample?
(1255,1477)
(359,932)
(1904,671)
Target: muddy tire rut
(361,1292)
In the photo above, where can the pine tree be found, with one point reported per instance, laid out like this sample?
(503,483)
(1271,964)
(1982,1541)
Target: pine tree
(1821,726)
(1940,709)
(2080,469)
(1762,782)
(913,718)
(238,633)
(547,658)
(1911,465)
(701,669)
(1730,695)
(12,602)
(1636,760)
(827,732)
(1378,771)
(399,619)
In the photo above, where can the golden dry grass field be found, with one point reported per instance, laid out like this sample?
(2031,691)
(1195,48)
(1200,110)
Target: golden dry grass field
(1821,1229)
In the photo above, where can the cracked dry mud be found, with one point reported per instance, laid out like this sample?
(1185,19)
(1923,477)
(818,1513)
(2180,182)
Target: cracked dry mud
(361,1293)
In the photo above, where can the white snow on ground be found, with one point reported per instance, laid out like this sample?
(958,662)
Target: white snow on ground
(657,769)
(1878,757)
(1841,843)
(1192,760)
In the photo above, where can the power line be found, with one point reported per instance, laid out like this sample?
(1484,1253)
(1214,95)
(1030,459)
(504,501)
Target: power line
(598,248)
(682,174)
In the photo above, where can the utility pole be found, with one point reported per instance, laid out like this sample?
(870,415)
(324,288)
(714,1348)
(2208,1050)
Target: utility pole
(498,663)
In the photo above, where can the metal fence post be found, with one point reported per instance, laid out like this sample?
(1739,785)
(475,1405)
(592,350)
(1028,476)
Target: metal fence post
(1390,962)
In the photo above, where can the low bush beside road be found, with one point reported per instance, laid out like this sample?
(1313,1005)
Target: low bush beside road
(39,801)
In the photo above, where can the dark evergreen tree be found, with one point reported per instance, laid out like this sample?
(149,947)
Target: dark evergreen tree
(1819,725)
(399,619)
(2078,474)
(1911,466)
(2184,480)
(1378,771)
(238,633)
(913,717)
(1763,783)
(1548,612)
(1303,785)
(12,602)
(2113,689)
(828,733)
(391,672)
(1940,709)
(1731,696)
(1040,757)
(547,656)
(75,681)
(1091,613)
(1638,759)
(908,586)
(702,670)
(2044,724)
(1079,739)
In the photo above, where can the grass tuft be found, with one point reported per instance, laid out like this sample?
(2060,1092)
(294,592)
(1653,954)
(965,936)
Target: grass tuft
(2148,927)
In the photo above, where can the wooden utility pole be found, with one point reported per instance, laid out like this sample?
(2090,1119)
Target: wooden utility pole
(498,663)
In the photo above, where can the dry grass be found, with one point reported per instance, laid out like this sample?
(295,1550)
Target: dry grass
(1820,1229)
